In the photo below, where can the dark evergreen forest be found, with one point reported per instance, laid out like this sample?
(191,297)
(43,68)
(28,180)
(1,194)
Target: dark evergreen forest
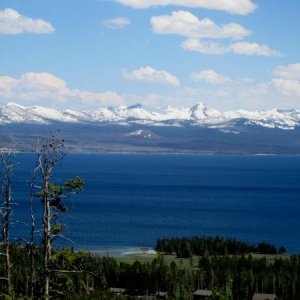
(79,275)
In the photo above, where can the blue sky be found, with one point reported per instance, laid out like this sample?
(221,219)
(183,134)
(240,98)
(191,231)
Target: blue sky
(82,54)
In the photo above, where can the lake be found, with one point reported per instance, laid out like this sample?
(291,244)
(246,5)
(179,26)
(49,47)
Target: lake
(130,200)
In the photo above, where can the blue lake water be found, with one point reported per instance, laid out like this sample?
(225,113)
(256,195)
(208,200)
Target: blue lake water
(131,200)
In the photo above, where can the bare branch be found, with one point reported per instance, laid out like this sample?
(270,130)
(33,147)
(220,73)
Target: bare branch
(66,271)
(63,237)
(57,292)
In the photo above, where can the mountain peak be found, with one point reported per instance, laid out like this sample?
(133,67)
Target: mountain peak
(13,104)
(201,111)
(134,106)
(199,114)
(201,104)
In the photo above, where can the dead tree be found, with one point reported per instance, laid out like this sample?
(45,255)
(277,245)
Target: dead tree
(50,152)
(31,242)
(6,160)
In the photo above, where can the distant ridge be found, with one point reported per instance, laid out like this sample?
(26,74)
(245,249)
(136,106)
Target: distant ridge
(198,115)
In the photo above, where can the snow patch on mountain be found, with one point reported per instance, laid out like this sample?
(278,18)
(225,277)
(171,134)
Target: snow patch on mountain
(12,113)
(201,112)
(50,114)
(146,134)
(198,115)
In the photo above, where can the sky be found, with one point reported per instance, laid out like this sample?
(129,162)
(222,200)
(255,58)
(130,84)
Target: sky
(86,54)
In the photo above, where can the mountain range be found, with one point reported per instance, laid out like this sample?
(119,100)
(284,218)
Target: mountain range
(197,115)
(137,128)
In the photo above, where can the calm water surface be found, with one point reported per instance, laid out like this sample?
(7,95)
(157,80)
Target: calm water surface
(131,200)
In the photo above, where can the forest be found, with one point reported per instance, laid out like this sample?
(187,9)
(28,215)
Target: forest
(79,275)
(36,268)
(187,247)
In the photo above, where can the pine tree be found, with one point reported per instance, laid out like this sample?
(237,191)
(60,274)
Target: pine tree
(50,152)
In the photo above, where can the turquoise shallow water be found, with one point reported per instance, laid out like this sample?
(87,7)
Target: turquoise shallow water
(131,200)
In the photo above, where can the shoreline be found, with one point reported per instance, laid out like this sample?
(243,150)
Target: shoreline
(120,252)
(172,153)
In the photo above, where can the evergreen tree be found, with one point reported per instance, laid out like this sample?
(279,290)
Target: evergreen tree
(50,152)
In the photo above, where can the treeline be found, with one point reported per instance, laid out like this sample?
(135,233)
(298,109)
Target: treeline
(206,246)
(78,275)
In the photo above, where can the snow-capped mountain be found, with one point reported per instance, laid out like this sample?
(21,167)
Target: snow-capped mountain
(197,115)
(13,113)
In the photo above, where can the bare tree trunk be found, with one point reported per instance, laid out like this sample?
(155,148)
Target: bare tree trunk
(32,253)
(6,242)
(6,191)
(32,231)
(47,235)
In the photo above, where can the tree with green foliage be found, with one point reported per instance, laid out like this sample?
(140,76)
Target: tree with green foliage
(50,152)
(203,246)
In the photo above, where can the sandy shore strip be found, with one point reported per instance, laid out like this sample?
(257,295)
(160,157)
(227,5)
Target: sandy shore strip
(122,252)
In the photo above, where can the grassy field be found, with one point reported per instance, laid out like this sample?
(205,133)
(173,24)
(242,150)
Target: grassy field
(144,258)
(182,262)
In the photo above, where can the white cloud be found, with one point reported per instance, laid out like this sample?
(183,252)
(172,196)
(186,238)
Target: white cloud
(204,47)
(150,74)
(45,87)
(291,71)
(186,24)
(253,49)
(107,98)
(210,76)
(41,81)
(287,87)
(12,22)
(250,96)
(215,48)
(287,81)
(200,33)
(7,83)
(117,23)
(242,7)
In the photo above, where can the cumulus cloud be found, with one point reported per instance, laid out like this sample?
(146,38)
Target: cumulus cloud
(107,98)
(7,83)
(204,47)
(45,87)
(201,35)
(150,74)
(186,24)
(216,48)
(287,87)
(252,96)
(116,23)
(287,81)
(12,22)
(253,49)
(291,71)
(242,7)
(210,76)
